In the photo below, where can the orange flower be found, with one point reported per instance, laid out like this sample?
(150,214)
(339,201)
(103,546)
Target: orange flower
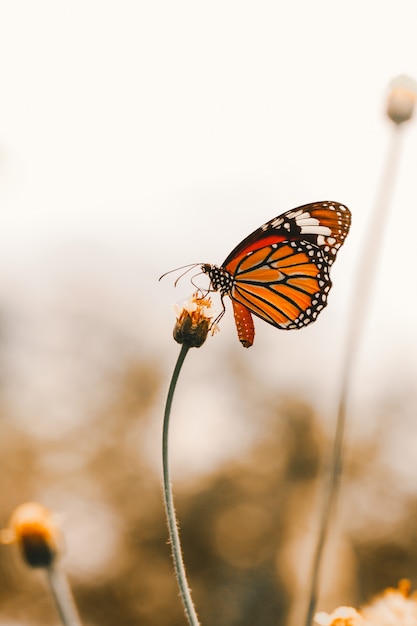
(394,607)
(343,616)
(194,321)
(36,531)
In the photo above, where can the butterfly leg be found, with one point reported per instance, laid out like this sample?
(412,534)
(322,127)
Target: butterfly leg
(220,315)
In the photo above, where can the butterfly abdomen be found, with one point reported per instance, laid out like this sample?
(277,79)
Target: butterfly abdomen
(244,324)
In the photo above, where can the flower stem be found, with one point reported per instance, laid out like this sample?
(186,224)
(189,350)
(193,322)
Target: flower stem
(62,595)
(169,500)
(367,268)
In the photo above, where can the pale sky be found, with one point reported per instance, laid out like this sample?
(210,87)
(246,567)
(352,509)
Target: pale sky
(139,136)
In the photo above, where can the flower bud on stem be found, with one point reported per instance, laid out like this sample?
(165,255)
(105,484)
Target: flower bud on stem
(37,532)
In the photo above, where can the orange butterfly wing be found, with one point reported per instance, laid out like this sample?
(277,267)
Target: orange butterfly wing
(280,272)
(285,286)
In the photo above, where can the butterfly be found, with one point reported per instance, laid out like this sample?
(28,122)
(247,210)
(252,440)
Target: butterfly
(280,272)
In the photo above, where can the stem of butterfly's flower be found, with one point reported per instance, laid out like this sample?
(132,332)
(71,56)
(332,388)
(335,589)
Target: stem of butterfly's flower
(359,302)
(169,500)
(61,592)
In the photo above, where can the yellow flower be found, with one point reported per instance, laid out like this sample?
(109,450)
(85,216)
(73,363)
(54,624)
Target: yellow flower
(395,607)
(343,616)
(194,321)
(401,99)
(37,533)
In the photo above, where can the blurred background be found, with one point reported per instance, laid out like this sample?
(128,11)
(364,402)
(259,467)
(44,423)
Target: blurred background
(136,137)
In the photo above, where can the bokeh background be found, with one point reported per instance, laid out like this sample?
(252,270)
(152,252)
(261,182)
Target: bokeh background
(136,137)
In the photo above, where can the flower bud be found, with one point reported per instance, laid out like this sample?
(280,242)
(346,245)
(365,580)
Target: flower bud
(401,99)
(36,531)
(343,616)
(193,321)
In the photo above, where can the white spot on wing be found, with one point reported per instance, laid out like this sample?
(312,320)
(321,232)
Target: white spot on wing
(315,230)
(307,220)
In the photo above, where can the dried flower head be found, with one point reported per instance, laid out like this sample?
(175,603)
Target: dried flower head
(343,616)
(401,99)
(194,321)
(37,532)
(395,607)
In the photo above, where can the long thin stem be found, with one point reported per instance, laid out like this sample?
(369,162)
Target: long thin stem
(169,500)
(367,266)
(62,595)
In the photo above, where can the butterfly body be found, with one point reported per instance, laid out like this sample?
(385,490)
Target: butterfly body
(280,272)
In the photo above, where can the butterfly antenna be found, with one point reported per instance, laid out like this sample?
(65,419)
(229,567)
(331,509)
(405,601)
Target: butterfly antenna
(177,269)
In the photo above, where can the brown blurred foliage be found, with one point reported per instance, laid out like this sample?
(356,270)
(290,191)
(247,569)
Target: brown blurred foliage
(242,526)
